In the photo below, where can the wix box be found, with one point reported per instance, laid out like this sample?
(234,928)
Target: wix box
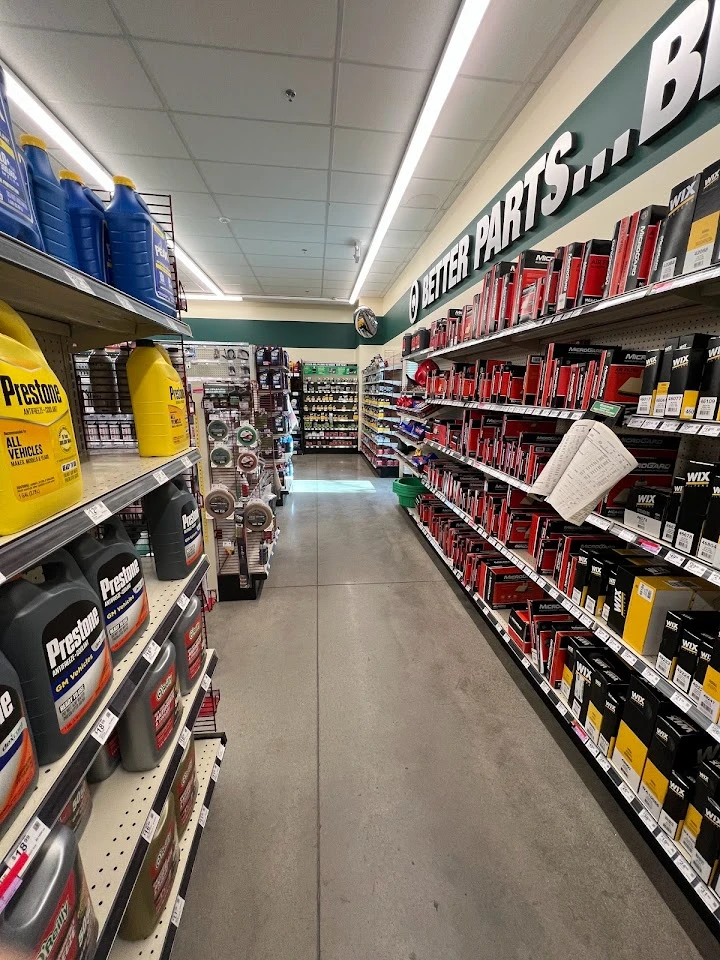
(670,523)
(663,381)
(605,681)
(677,799)
(686,373)
(636,729)
(709,545)
(646,509)
(704,860)
(612,711)
(675,230)
(648,387)
(693,505)
(674,745)
(707,787)
(707,407)
(703,662)
(702,245)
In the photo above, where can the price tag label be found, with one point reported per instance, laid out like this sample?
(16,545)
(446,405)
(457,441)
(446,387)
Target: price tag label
(601,522)
(553,593)
(714,578)
(151,651)
(584,618)
(125,303)
(667,844)
(680,701)
(629,658)
(80,282)
(177,910)
(710,430)
(636,422)
(565,414)
(546,413)
(685,869)
(150,823)
(160,476)
(205,682)
(202,819)
(626,792)
(545,686)
(648,820)
(533,576)
(221,751)
(98,512)
(30,842)
(592,749)
(677,558)
(614,644)
(624,534)
(650,676)
(603,761)
(105,726)
(708,898)
(692,566)
(215,773)
(603,634)
(714,731)
(561,708)
(184,737)
(183,600)
(669,426)
(689,428)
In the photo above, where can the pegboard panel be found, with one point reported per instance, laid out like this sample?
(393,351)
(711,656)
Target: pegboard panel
(58,353)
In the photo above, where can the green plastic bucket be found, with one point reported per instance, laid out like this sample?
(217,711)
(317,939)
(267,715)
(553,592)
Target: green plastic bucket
(407,490)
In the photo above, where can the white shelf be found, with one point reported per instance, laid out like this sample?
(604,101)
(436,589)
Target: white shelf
(112,847)
(208,760)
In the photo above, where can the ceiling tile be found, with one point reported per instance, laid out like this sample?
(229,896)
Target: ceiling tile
(404,238)
(283,248)
(250,85)
(191,205)
(116,130)
(291,274)
(311,289)
(91,16)
(264,260)
(500,49)
(338,286)
(348,274)
(223,262)
(200,226)
(340,251)
(255,141)
(233,288)
(159,175)
(353,214)
(428,194)
(304,27)
(404,33)
(378,98)
(196,245)
(412,218)
(348,235)
(474,108)
(261,230)
(391,255)
(382,269)
(258,181)
(446,159)
(269,208)
(453,195)
(237,286)
(367,151)
(359,187)
(341,263)
(77,67)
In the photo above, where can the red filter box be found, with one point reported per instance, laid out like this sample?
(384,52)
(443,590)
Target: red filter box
(558,652)
(593,273)
(570,276)
(519,629)
(621,375)
(509,588)
(530,267)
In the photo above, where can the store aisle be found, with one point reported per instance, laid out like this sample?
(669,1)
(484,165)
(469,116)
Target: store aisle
(455,821)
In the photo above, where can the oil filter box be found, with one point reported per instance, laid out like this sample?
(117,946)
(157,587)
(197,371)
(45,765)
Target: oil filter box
(704,860)
(708,548)
(686,373)
(707,787)
(636,729)
(651,598)
(648,387)
(707,406)
(676,622)
(646,509)
(663,379)
(693,505)
(669,527)
(705,652)
(674,745)
(675,231)
(675,805)
(687,657)
(586,666)
(643,248)
(709,702)
(612,712)
(606,682)
(702,245)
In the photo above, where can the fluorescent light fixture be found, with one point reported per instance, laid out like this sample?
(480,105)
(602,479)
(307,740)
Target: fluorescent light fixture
(463,32)
(36,111)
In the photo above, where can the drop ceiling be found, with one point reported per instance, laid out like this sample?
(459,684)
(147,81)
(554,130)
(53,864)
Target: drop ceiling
(270,196)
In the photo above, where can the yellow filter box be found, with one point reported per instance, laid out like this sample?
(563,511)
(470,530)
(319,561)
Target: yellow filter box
(604,681)
(651,598)
(635,732)
(709,702)
(675,744)
(704,860)
(675,805)
(707,787)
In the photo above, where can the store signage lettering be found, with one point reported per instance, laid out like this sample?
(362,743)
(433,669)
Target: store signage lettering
(684,69)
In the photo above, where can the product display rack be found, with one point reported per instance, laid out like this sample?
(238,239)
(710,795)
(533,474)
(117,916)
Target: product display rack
(380,386)
(272,368)
(296,402)
(330,411)
(705,900)
(111,861)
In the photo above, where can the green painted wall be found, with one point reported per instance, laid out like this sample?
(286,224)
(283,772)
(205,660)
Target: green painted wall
(614,105)
(287,333)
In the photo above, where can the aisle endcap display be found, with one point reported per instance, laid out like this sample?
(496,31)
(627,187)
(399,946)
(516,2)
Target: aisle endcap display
(329,411)
(382,380)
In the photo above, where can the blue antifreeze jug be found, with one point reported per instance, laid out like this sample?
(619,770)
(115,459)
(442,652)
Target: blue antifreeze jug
(87,219)
(139,250)
(17,213)
(50,201)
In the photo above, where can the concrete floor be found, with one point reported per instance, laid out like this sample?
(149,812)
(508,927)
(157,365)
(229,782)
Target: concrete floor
(393,789)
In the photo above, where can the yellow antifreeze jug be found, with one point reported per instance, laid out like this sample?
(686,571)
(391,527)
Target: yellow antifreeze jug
(158,401)
(39,464)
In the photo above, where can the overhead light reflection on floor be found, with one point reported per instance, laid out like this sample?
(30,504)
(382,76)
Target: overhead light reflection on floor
(332,486)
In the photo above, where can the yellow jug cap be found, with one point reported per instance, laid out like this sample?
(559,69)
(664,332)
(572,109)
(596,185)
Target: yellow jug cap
(70,175)
(124,182)
(28,140)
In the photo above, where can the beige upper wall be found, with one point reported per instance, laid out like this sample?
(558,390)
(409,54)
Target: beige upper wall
(276,310)
(614,28)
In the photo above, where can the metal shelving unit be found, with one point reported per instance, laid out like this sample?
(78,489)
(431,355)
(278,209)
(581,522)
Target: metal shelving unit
(330,407)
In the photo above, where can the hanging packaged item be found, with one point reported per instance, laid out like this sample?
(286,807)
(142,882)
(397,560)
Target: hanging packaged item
(187,637)
(218,430)
(257,515)
(158,401)
(113,569)
(76,812)
(221,456)
(184,788)
(51,916)
(87,220)
(106,762)
(53,635)
(247,461)
(50,201)
(18,217)
(139,249)
(103,385)
(146,727)
(153,885)
(40,468)
(175,529)
(18,762)
(219,502)
(246,435)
